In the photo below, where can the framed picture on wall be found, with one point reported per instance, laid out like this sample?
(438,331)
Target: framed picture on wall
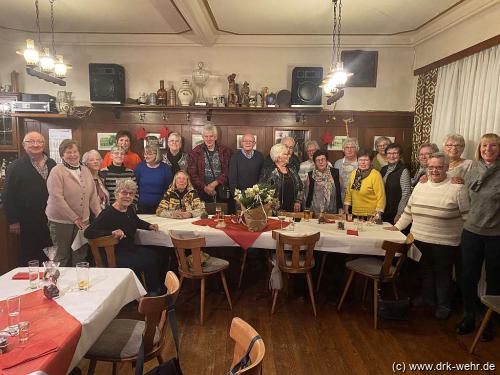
(238,141)
(336,144)
(393,139)
(105,141)
(300,136)
(154,138)
(196,139)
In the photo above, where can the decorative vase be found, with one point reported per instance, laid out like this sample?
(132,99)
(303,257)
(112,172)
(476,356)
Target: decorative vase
(185,94)
(143,99)
(161,94)
(256,218)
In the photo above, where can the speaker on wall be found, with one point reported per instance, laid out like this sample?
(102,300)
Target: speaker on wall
(363,65)
(305,86)
(107,83)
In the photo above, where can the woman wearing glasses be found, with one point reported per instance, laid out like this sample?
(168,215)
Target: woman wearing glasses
(453,147)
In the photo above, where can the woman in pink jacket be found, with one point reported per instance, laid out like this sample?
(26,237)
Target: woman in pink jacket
(72,195)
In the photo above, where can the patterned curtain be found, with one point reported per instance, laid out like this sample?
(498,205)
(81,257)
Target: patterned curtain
(423,113)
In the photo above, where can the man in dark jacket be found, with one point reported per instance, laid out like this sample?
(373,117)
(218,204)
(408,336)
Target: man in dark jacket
(25,198)
(245,165)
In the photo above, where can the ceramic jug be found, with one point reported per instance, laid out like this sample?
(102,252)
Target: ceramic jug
(185,93)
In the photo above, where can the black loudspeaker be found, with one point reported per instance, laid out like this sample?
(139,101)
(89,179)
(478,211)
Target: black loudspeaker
(107,83)
(305,86)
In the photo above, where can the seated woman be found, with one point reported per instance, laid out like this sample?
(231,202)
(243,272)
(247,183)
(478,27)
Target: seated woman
(120,221)
(322,190)
(181,200)
(365,191)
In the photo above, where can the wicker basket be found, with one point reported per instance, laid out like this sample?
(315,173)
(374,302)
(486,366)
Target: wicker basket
(256,218)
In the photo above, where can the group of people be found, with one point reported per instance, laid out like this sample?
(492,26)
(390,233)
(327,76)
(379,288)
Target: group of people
(452,203)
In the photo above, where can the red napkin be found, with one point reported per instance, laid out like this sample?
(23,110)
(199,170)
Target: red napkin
(352,232)
(31,351)
(24,276)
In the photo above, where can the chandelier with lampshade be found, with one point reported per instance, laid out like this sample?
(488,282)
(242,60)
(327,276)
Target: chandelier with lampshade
(41,62)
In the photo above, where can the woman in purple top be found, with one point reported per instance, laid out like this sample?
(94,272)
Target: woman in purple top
(153,178)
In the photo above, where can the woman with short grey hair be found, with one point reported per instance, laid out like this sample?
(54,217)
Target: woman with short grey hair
(175,158)
(307,166)
(453,146)
(153,178)
(380,160)
(92,159)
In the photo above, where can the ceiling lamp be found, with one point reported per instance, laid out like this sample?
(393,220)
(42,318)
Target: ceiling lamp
(334,83)
(40,62)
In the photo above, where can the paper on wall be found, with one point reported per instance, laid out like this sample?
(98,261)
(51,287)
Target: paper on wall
(56,136)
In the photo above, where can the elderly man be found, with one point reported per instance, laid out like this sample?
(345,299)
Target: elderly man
(308,165)
(130,159)
(425,150)
(348,163)
(208,166)
(245,166)
(293,163)
(437,210)
(25,198)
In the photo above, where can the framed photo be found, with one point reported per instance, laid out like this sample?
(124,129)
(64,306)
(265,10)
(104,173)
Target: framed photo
(238,141)
(196,139)
(105,141)
(154,138)
(336,144)
(300,136)
(393,139)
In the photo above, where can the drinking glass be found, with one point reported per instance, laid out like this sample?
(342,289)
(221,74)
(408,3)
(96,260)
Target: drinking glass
(291,224)
(82,275)
(218,213)
(307,214)
(281,218)
(33,273)
(24,332)
(13,311)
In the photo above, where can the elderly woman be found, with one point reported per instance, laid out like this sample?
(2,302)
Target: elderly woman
(365,188)
(322,188)
(380,159)
(424,151)
(208,166)
(437,210)
(130,158)
(181,200)
(153,178)
(397,184)
(120,221)
(348,163)
(115,172)
(92,160)
(453,146)
(289,188)
(308,165)
(481,234)
(72,195)
(175,158)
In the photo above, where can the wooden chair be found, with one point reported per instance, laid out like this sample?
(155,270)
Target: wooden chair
(493,305)
(373,267)
(242,333)
(295,215)
(121,340)
(108,243)
(297,260)
(197,270)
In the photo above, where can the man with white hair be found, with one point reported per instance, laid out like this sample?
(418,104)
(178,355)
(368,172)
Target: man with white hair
(25,198)
(348,163)
(245,166)
(208,167)
(294,162)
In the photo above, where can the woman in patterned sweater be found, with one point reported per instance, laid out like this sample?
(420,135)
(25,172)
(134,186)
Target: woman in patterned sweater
(181,200)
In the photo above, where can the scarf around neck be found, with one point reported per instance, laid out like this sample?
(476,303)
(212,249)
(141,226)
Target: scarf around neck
(360,175)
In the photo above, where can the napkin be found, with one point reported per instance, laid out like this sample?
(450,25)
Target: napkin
(24,276)
(352,232)
(29,352)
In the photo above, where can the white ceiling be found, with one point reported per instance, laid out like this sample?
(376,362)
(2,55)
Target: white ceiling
(280,17)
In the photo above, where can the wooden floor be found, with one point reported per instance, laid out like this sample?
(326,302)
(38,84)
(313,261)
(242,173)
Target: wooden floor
(298,343)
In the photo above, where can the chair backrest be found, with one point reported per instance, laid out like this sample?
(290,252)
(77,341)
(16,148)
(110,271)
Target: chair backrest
(193,244)
(108,243)
(242,333)
(295,215)
(210,207)
(155,311)
(391,250)
(297,245)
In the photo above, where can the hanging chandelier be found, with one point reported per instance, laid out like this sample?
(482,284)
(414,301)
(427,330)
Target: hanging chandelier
(41,63)
(334,83)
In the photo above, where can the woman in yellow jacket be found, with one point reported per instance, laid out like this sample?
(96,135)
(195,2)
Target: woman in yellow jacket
(365,191)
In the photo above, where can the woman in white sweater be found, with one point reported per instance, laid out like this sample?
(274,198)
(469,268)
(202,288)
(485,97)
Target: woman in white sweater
(437,210)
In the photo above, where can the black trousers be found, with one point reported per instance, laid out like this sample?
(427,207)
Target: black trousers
(34,237)
(436,266)
(476,249)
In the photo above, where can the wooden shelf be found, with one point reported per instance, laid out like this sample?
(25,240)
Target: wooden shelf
(39,115)
(163,108)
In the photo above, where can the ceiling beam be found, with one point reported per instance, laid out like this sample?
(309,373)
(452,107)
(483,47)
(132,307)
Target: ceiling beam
(196,15)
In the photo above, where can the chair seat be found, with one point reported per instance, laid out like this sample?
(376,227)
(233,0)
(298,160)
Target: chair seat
(368,266)
(213,264)
(121,339)
(288,259)
(492,302)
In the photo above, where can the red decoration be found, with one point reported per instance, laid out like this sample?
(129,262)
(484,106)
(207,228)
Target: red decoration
(140,133)
(327,138)
(164,132)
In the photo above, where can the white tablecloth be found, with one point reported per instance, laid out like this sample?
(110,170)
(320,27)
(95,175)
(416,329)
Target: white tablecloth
(110,290)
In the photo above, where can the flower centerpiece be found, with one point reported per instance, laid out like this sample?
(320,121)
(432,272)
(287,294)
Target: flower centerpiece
(256,203)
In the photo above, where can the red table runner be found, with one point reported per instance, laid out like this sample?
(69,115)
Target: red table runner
(53,337)
(239,233)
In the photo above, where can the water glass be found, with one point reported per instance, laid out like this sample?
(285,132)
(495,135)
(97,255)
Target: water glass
(24,332)
(291,224)
(281,218)
(13,311)
(218,213)
(33,273)
(82,275)
(307,214)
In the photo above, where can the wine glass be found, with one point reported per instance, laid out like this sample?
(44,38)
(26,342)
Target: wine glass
(281,218)
(50,252)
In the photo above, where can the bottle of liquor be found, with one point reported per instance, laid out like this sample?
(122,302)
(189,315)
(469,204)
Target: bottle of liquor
(161,94)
